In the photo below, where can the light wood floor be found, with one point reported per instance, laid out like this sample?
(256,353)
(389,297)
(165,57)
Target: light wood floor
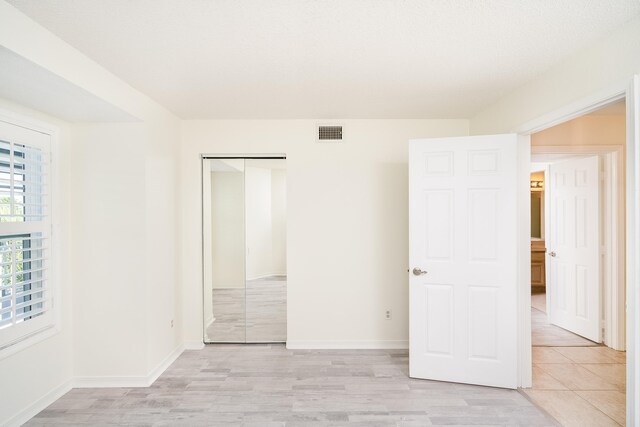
(268,385)
(255,314)
(577,381)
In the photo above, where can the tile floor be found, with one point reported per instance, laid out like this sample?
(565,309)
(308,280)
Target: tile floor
(579,386)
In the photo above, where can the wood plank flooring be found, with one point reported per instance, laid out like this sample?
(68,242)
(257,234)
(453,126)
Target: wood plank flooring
(268,385)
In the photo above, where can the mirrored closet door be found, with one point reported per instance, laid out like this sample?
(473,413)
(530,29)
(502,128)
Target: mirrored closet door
(244,250)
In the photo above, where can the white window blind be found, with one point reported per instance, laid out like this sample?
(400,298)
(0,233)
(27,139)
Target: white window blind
(26,298)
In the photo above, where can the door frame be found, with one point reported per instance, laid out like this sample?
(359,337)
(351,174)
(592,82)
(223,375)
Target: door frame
(628,89)
(613,198)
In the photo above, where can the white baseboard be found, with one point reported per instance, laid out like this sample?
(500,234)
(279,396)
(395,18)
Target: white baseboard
(110,382)
(348,345)
(164,364)
(132,381)
(264,276)
(94,382)
(37,406)
(193,345)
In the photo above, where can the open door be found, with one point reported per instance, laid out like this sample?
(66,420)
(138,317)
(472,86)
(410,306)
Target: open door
(573,246)
(463,259)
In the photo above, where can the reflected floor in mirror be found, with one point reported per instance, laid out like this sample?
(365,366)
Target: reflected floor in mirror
(266,312)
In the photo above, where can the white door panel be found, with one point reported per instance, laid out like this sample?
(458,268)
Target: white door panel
(463,233)
(573,256)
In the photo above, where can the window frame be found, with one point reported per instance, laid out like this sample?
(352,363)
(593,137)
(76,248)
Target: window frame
(53,324)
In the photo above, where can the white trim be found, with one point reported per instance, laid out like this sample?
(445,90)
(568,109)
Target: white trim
(193,345)
(110,382)
(264,276)
(133,381)
(205,156)
(34,408)
(55,326)
(633,250)
(164,364)
(616,326)
(524,261)
(208,321)
(32,339)
(348,345)
(575,109)
(612,297)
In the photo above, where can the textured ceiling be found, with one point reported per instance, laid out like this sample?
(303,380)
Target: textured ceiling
(328,58)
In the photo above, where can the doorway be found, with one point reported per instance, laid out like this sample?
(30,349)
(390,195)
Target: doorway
(244,249)
(577,268)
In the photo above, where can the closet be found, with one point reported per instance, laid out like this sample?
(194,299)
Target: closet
(244,249)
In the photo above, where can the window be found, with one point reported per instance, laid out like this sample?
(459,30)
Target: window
(26,298)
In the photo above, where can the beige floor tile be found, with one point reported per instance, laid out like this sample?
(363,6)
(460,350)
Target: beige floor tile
(589,354)
(611,403)
(544,381)
(570,409)
(615,374)
(545,334)
(575,377)
(618,356)
(548,355)
(539,302)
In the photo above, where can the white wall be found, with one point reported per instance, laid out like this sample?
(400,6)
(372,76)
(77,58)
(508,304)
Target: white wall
(125,249)
(346,223)
(227,230)
(607,62)
(122,243)
(108,216)
(585,130)
(279,221)
(45,369)
(161,155)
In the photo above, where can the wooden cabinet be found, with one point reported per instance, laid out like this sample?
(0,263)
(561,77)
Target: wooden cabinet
(538,266)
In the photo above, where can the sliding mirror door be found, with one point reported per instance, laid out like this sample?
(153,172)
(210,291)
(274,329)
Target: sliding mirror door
(266,262)
(244,250)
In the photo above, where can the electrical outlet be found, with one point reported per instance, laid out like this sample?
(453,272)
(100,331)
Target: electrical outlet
(172,323)
(387,315)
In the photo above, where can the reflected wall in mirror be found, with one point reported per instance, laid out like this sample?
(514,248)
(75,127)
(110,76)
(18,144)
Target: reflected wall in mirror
(223,222)
(244,251)
(266,269)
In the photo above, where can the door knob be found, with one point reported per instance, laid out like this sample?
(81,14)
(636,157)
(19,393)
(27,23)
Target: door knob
(553,254)
(418,272)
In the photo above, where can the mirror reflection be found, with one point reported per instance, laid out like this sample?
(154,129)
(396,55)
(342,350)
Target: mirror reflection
(244,225)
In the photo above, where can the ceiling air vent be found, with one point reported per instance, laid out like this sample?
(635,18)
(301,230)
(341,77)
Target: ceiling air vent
(329,133)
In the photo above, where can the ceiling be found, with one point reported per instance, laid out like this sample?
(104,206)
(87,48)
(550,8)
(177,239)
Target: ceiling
(328,58)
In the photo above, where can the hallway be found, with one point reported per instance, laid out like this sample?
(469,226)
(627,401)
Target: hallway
(575,380)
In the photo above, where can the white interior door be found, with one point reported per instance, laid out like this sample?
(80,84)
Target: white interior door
(463,259)
(573,246)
